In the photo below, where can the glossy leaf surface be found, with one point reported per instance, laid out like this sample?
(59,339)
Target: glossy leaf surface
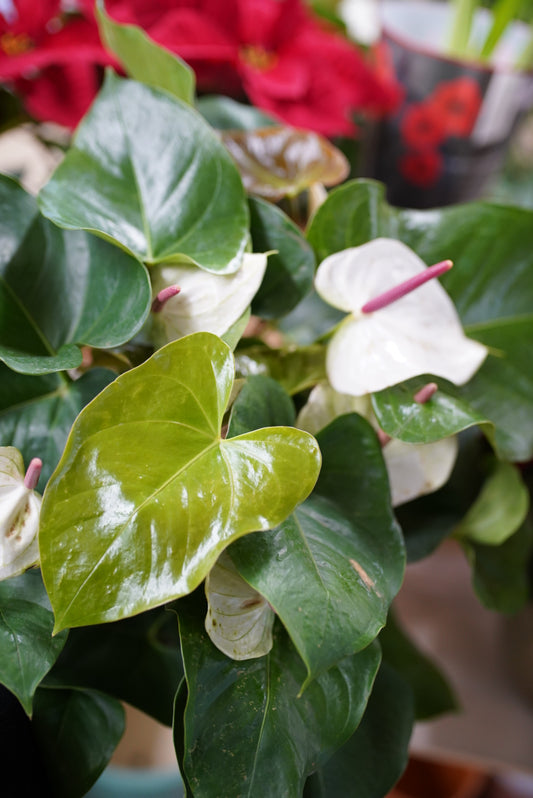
(147,494)
(187,205)
(59,288)
(400,416)
(294,369)
(243,716)
(77,732)
(27,648)
(261,402)
(373,759)
(331,570)
(144,60)
(37,412)
(290,267)
(223,113)
(490,285)
(276,162)
(136,660)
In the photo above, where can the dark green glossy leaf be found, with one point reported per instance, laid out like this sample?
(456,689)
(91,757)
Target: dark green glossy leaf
(186,205)
(27,648)
(373,759)
(246,731)
(500,573)
(224,113)
(262,402)
(290,269)
(431,693)
(144,60)
(443,415)
(311,320)
(61,288)
(491,285)
(77,732)
(331,570)
(499,510)
(136,660)
(147,494)
(294,369)
(37,412)
(281,161)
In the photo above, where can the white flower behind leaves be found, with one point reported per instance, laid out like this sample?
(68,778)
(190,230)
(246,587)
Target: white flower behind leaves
(20,507)
(239,620)
(418,333)
(206,302)
(413,469)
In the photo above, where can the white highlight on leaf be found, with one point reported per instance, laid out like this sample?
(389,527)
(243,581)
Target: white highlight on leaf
(418,334)
(413,469)
(239,620)
(20,508)
(207,302)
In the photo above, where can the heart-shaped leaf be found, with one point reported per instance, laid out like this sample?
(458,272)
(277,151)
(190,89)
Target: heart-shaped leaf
(186,205)
(61,288)
(144,60)
(36,413)
(276,162)
(136,660)
(147,494)
(401,416)
(243,716)
(339,558)
(291,266)
(490,285)
(27,648)
(77,732)
(373,759)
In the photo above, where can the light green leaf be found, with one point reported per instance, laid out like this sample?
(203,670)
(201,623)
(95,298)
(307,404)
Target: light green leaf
(27,648)
(499,510)
(61,289)
(147,494)
(185,205)
(246,731)
(143,59)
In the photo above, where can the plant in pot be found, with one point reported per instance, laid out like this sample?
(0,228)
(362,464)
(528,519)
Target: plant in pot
(227,509)
(466,71)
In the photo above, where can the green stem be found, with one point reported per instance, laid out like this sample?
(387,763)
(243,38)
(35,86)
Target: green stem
(504,12)
(462,16)
(525,60)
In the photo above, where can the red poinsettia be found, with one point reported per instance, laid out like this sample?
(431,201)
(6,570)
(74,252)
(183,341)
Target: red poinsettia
(458,102)
(274,51)
(422,169)
(49,58)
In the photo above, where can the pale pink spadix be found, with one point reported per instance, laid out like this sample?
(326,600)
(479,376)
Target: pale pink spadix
(393,294)
(392,332)
(33,473)
(163,296)
(425,393)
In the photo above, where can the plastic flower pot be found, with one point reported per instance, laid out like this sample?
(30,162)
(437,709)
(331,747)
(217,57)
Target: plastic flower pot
(424,778)
(450,135)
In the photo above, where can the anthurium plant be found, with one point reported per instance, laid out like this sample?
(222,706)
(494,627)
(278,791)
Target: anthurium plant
(241,429)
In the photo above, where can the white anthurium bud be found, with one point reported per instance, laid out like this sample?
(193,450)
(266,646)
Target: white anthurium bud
(413,469)
(20,508)
(239,620)
(402,323)
(205,302)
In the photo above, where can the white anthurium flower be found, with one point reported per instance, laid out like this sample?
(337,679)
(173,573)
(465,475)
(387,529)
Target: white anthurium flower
(20,508)
(239,620)
(413,469)
(205,302)
(393,332)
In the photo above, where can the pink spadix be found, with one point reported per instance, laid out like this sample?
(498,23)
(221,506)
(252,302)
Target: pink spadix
(390,296)
(424,394)
(33,473)
(163,296)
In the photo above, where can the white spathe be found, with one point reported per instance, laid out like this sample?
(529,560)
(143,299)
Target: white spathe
(239,620)
(207,302)
(20,509)
(418,334)
(413,469)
